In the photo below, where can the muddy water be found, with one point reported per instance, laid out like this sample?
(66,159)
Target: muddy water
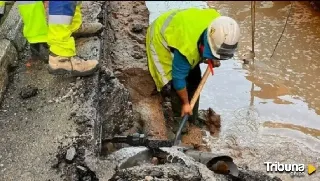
(270,109)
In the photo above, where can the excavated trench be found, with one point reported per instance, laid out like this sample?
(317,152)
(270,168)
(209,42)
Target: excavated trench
(124,42)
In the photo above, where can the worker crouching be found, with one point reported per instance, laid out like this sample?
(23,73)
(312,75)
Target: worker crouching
(64,18)
(178,41)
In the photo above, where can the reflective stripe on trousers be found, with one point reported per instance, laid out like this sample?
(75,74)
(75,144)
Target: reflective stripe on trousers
(64,19)
(60,19)
(57,33)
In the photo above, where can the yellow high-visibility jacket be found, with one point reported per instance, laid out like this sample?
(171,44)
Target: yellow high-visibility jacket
(179,29)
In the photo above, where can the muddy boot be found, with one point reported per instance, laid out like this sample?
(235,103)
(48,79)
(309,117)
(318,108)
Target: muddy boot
(59,65)
(39,51)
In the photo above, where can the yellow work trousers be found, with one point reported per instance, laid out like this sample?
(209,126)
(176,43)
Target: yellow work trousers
(57,35)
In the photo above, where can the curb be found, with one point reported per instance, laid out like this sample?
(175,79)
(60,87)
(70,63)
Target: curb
(8,55)
(11,41)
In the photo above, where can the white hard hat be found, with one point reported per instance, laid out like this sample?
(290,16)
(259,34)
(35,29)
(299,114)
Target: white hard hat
(223,37)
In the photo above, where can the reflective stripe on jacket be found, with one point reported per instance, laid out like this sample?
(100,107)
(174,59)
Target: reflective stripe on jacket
(179,29)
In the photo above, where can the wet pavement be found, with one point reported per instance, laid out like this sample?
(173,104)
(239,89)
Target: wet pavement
(271,109)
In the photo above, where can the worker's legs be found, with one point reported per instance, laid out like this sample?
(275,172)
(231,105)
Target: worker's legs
(64,18)
(77,18)
(59,35)
(193,80)
(35,28)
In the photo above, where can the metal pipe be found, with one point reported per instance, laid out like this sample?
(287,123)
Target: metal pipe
(253,11)
(221,164)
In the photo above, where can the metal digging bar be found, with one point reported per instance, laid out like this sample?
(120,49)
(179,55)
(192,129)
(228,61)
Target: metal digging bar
(251,55)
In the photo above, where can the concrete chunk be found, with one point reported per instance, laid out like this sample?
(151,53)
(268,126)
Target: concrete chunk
(71,153)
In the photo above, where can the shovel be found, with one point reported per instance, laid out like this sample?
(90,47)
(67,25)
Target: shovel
(221,164)
(193,101)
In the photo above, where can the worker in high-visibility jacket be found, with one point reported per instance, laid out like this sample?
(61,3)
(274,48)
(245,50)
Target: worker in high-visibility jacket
(177,41)
(2,8)
(64,19)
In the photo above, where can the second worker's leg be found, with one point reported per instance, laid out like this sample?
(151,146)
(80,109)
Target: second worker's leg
(35,28)
(62,45)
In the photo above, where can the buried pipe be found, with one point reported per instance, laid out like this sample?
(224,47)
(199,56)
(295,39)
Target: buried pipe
(220,164)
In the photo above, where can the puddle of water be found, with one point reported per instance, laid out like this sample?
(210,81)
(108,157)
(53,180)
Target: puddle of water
(270,109)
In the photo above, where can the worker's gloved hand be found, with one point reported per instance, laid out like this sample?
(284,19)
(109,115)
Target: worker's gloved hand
(186,110)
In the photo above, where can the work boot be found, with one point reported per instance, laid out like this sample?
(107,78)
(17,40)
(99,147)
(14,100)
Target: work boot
(39,51)
(59,65)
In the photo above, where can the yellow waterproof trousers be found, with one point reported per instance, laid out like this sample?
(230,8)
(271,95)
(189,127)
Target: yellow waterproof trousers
(57,32)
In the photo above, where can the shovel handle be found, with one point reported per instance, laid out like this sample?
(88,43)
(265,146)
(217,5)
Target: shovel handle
(192,103)
(200,86)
